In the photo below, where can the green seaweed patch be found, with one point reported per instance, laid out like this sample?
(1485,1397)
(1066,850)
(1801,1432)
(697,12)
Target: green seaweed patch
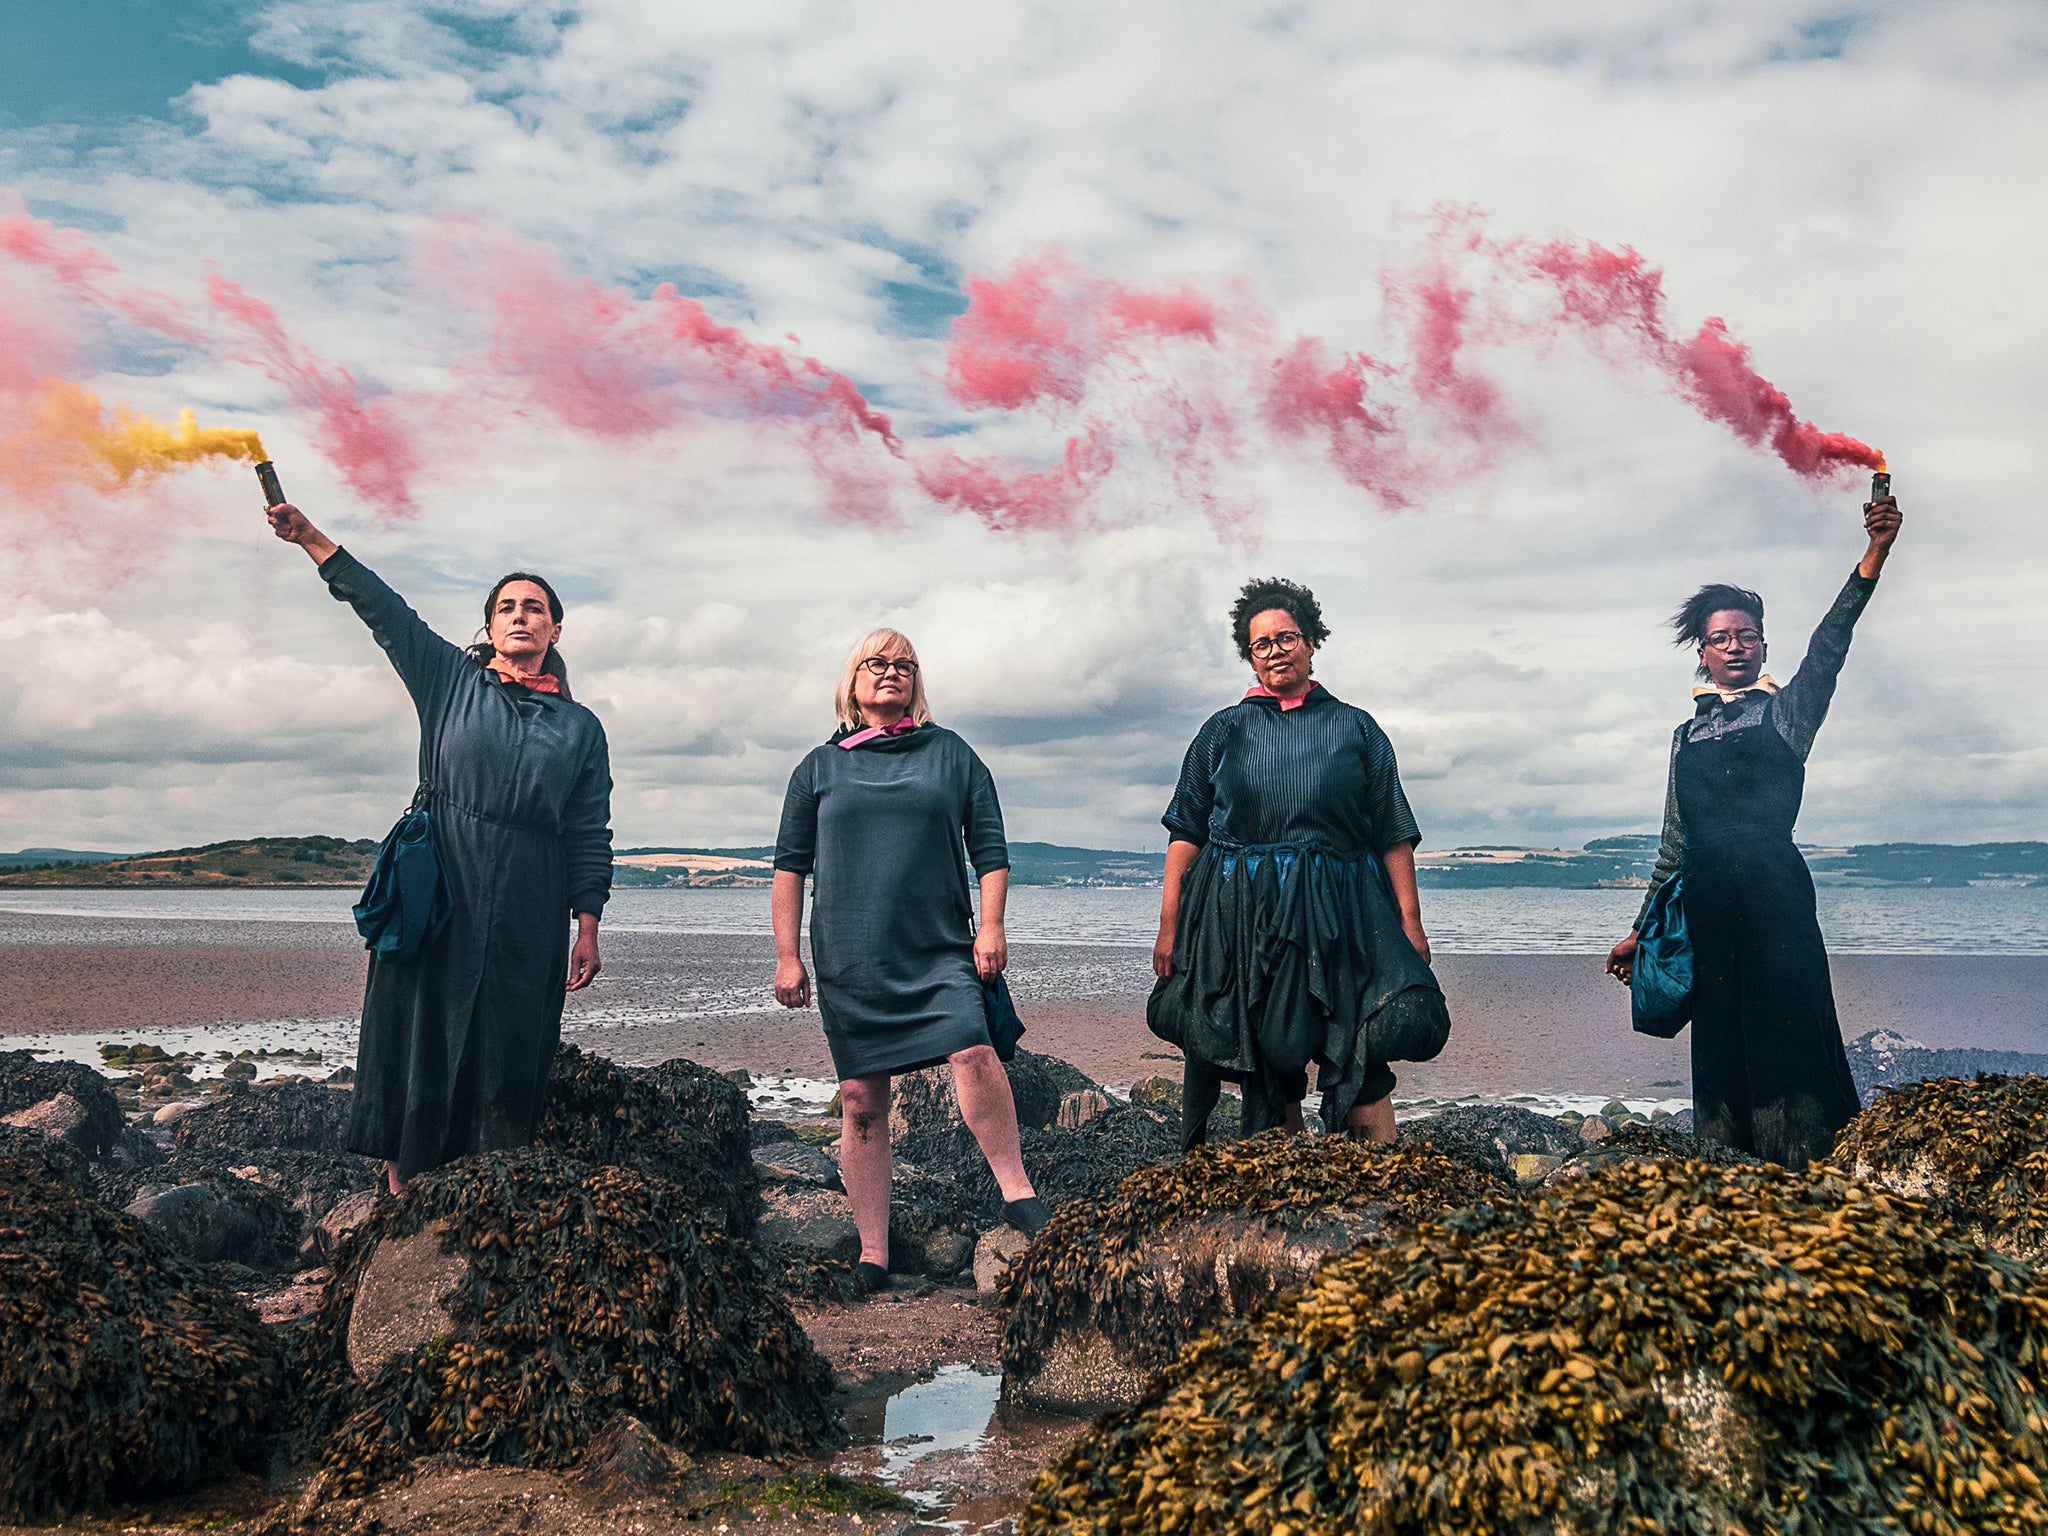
(1089,1267)
(1979,1147)
(1660,1346)
(811,1493)
(816,1133)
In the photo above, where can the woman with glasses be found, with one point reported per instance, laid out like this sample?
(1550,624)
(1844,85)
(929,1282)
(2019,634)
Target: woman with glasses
(1290,930)
(884,818)
(1769,1074)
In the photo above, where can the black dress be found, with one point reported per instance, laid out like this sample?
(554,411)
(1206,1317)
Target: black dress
(1769,1074)
(457,1043)
(886,830)
(1288,948)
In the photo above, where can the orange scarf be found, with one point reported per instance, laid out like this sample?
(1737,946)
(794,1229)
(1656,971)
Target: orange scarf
(538,682)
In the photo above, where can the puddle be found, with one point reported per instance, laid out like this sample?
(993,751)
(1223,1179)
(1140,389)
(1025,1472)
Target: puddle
(951,1412)
(206,1048)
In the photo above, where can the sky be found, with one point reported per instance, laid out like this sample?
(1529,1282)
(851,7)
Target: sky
(623,292)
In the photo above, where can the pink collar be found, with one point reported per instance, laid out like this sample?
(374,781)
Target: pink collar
(1261,691)
(902,727)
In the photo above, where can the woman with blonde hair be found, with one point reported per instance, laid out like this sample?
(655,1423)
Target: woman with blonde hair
(885,817)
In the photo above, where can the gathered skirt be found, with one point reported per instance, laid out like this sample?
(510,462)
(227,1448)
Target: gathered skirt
(1285,956)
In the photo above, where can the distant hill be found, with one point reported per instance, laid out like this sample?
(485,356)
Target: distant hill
(1628,861)
(253,861)
(29,857)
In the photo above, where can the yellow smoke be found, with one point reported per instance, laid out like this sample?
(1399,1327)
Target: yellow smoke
(69,437)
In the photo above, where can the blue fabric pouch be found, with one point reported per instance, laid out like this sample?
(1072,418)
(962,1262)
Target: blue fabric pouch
(406,900)
(1660,984)
(1004,1027)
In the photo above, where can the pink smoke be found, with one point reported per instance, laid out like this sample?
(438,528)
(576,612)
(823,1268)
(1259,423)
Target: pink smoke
(1013,500)
(366,441)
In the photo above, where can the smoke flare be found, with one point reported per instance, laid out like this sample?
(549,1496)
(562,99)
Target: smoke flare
(68,438)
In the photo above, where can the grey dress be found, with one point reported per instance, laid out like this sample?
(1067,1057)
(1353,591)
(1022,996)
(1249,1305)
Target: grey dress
(457,1043)
(886,831)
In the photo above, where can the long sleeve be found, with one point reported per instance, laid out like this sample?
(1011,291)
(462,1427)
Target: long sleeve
(987,849)
(796,839)
(1798,708)
(1671,846)
(428,665)
(587,832)
(1194,797)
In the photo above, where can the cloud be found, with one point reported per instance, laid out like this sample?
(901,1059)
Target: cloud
(1857,199)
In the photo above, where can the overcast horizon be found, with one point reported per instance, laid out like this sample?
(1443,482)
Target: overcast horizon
(1856,192)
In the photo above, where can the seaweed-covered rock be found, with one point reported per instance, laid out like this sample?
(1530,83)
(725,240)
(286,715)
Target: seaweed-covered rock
(1658,1346)
(123,1373)
(924,1116)
(310,1183)
(286,1116)
(586,1292)
(1636,1142)
(26,1084)
(1979,1149)
(1064,1165)
(677,1121)
(223,1219)
(1112,1290)
(1511,1143)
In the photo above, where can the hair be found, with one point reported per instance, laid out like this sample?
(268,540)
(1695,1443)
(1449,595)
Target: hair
(1276,592)
(1690,622)
(879,642)
(552,663)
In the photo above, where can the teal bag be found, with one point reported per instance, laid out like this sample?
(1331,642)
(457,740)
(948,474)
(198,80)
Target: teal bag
(1660,984)
(1005,1029)
(405,901)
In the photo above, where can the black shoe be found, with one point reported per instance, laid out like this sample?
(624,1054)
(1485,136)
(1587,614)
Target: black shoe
(869,1278)
(1028,1215)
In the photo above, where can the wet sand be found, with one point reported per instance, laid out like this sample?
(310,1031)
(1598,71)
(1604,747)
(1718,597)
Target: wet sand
(1540,1024)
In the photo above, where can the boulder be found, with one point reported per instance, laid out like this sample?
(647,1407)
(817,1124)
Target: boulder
(1112,1289)
(166,1380)
(1637,1143)
(341,1222)
(808,1223)
(292,1116)
(223,1219)
(627,1461)
(62,1118)
(1493,1137)
(1977,1148)
(1634,1351)
(797,1162)
(999,1248)
(924,1116)
(27,1083)
(571,1294)
(402,1299)
(1082,1106)
(1594,1129)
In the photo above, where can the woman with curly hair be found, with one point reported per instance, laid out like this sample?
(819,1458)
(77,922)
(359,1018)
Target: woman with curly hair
(1290,930)
(1769,1074)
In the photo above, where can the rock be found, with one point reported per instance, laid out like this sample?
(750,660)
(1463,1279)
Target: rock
(1064,1165)
(342,1221)
(341,1077)
(401,1299)
(1078,1108)
(798,1162)
(26,1082)
(1977,1149)
(1163,1092)
(567,1294)
(1636,1144)
(280,1116)
(1614,1111)
(223,1219)
(942,1253)
(998,1249)
(924,1116)
(1112,1290)
(1532,1167)
(175,1110)
(166,1380)
(244,1071)
(1408,1382)
(814,1223)
(1593,1129)
(762,1133)
(930,1227)
(62,1118)
(1491,1136)
(626,1460)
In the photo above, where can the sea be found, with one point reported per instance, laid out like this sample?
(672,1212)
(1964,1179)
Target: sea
(1891,920)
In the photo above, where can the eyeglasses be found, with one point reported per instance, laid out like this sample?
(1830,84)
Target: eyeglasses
(883,666)
(1283,642)
(1721,639)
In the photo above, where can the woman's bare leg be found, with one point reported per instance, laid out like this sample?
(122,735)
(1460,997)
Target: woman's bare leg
(864,1161)
(1290,1118)
(391,1179)
(983,1089)
(1374,1121)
